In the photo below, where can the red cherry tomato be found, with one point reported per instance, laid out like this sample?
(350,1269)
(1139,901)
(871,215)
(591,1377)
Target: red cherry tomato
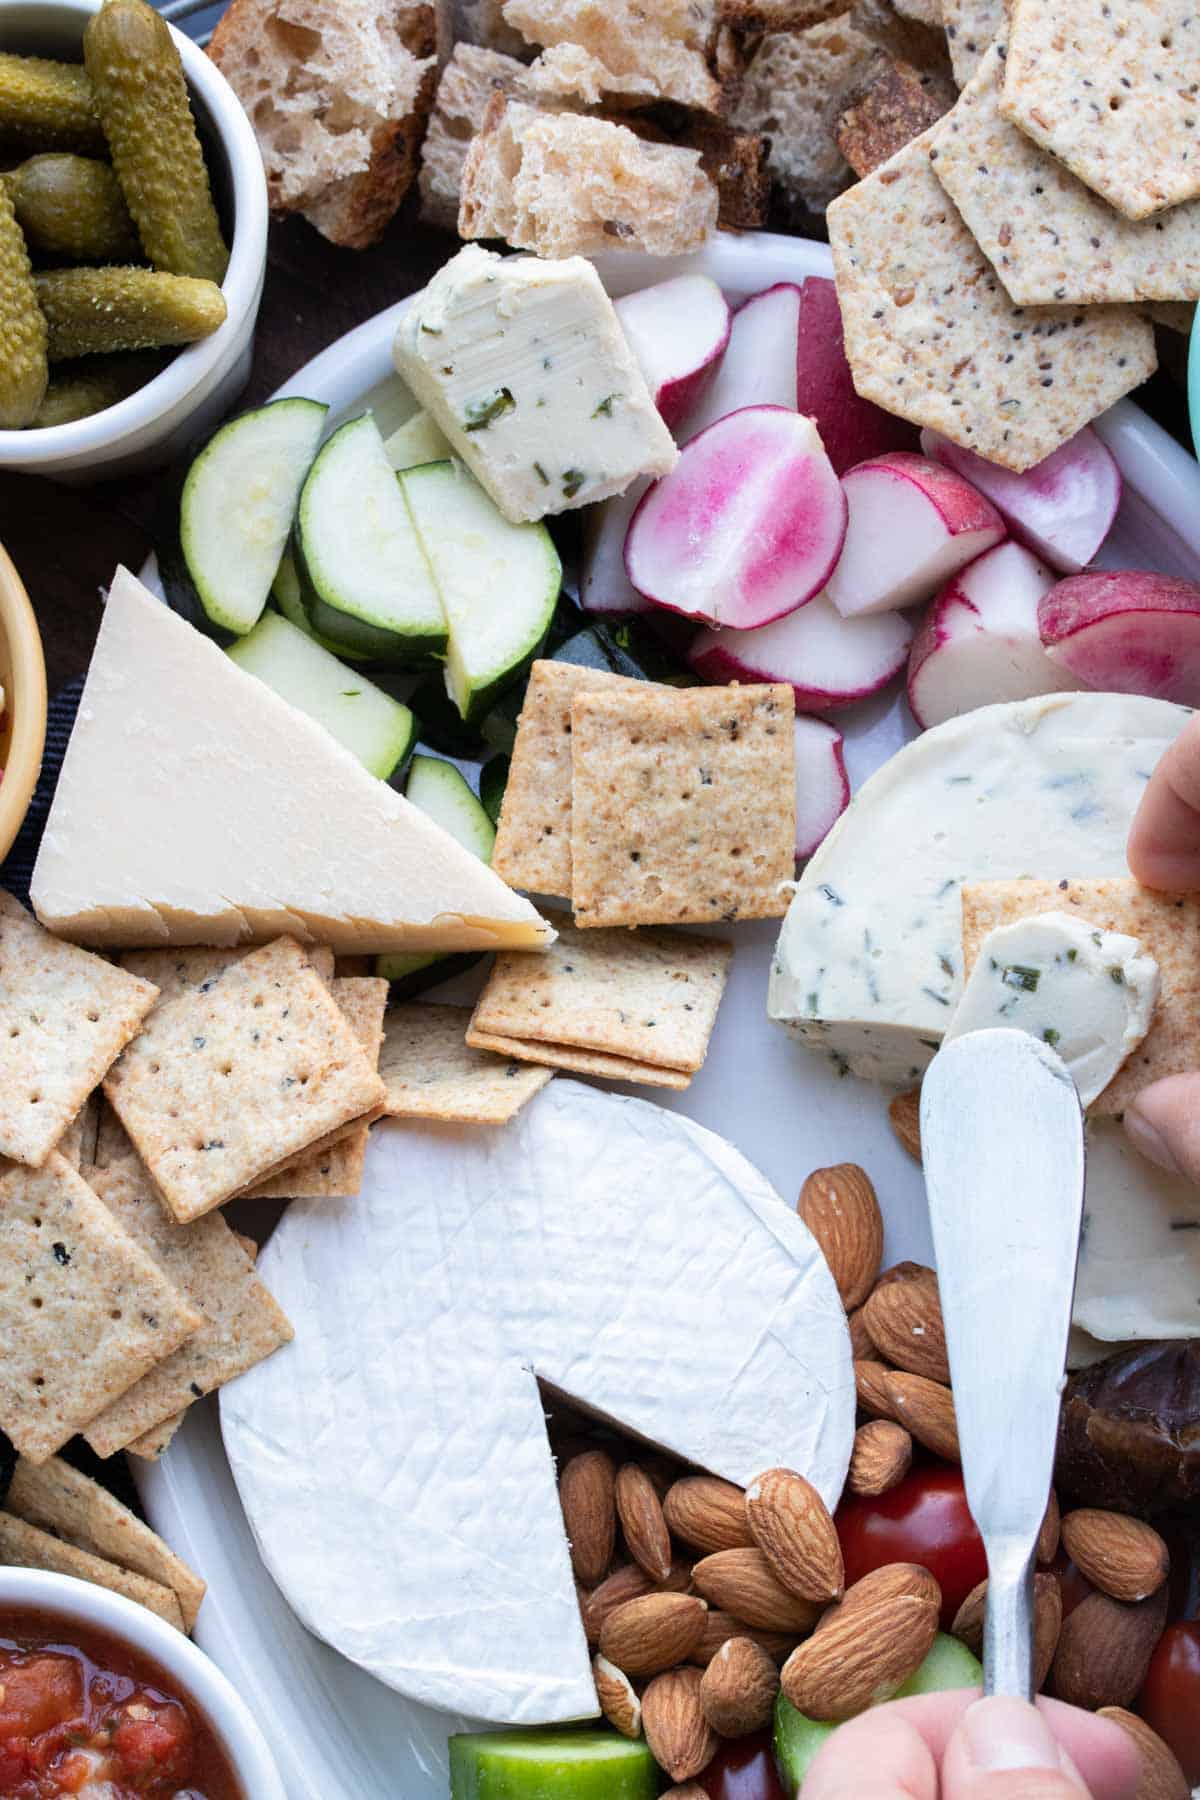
(924,1519)
(744,1770)
(1170,1697)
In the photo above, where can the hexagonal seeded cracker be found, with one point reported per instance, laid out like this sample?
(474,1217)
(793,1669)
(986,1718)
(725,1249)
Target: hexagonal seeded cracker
(430,1072)
(683,805)
(971,26)
(1112,90)
(25,1546)
(932,336)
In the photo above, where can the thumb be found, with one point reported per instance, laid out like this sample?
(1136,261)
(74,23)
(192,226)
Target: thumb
(1164,1124)
(1005,1750)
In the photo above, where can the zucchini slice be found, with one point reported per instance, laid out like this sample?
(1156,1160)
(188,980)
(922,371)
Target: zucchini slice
(441,791)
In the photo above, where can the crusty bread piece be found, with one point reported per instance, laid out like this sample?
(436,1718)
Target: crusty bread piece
(481,22)
(897,104)
(794,91)
(902,33)
(337,92)
(468,82)
(563,184)
(777,15)
(659,51)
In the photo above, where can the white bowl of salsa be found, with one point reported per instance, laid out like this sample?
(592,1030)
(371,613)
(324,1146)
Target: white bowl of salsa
(102,1700)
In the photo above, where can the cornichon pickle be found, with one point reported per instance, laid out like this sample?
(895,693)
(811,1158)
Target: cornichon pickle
(22,327)
(143,102)
(90,310)
(77,390)
(48,105)
(72,207)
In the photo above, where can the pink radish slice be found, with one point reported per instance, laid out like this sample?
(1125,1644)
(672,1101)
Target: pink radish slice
(1061,509)
(829,661)
(822,786)
(1128,632)
(852,429)
(678,331)
(912,524)
(979,642)
(604,587)
(746,527)
(759,364)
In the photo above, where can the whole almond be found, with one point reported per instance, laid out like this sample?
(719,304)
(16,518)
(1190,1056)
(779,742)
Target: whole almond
(1048,1536)
(681,1739)
(861,1347)
(618,1701)
(862,1656)
(904,1320)
(927,1409)
(1162,1777)
(793,1528)
(870,1382)
(1104,1649)
(742,1582)
(708,1513)
(894,1580)
(720,1626)
(1121,1556)
(691,1790)
(840,1209)
(881,1457)
(906,1271)
(905,1115)
(738,1688)
(1047,1622)
(640,1512)
(652,1633)
(628,1583)
(586,1494)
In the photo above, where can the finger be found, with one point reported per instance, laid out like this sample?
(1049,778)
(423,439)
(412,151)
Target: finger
(1005,1749)
(1164,844)
(878,1756)
(1163,1122)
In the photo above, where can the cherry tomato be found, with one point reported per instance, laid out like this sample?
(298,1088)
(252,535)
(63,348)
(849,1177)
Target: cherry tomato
(1170,1697)
(744,1770)
(924,1519)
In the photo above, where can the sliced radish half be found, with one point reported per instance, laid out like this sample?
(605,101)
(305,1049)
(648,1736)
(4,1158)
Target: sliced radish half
(1062,509)
(852,429)
(912,524)
(678,331)
(1128,632)
(829,661)
(822,786)
(759,364)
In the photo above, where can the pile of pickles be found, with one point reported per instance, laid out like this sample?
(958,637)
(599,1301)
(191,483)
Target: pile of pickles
(110,246)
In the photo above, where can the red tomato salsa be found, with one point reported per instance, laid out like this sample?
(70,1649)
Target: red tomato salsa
(83,1714)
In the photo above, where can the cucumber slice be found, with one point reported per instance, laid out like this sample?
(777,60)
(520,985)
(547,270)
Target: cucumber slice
(364,575)
(377,729)
(550,1765)
(493,779)
(285,591)
(439,790)
(949,1664)
(419,440)
(237,506)
(498,582)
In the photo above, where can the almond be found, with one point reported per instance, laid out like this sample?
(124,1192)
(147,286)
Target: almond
(742,1582)
(720,1626)
(927,1408)
(1104,1649)
(738,1688)
(586,1494)
(640,1512)
(906,1271)
(793,1529)
(904,1319)
(708,1514)
(870,1381)
(840,1209)
(652,1633)
(881,1457)
(905,1115)
(1123,1557)
(681,1739)
(892,1581)
(618,1702)
(862,1656)
(861,1347)
(1048,1536)
(1162,1777)
(1047,1623)
(628,1583)
(691,1790)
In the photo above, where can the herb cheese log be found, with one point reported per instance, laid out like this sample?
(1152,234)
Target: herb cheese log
(868,968)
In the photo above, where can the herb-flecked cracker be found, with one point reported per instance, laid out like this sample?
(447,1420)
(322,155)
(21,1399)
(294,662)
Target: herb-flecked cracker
(1049,238)
(932,336)
(65,1014)
(971,27)
(683,805)
(25,1546)
(581,1062)
(1113,91)
(230,1080)
(151,1445)
(430,1072)
(84,1311)
(178,967)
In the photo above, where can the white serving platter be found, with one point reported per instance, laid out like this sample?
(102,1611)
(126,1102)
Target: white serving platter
(337,1733)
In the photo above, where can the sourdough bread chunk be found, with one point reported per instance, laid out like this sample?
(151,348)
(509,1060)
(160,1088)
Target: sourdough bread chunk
(467,83)
(481,22)
(793,93)
(525,368)
(664,46)
(896,105)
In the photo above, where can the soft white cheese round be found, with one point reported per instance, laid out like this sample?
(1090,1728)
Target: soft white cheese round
(1139,1256)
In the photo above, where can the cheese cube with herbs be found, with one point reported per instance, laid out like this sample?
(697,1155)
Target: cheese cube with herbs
(524,367)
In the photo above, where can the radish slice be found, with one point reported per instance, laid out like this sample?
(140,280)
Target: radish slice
(912,524)
(852,429)
(822,786)
(604,586)
(678,331)
(746,527)
(829,661)
(1061,509)
(1128,632)
(759,365)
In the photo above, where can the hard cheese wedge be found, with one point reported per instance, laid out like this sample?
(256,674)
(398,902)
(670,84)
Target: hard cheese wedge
(393,1459)
(238,818)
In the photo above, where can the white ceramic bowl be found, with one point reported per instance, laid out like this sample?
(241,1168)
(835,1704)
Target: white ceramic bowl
(189,1671)
(201,382)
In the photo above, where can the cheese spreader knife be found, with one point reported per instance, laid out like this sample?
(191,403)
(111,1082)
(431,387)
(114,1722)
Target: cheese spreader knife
(1002,1143)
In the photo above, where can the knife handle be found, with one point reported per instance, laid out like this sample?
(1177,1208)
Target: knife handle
(1008,1634)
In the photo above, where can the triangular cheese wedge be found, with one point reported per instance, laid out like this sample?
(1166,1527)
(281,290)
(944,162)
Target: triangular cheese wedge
(196,807)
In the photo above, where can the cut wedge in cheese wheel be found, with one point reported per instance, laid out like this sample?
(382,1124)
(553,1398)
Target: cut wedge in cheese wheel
(393,1460)
(237,818)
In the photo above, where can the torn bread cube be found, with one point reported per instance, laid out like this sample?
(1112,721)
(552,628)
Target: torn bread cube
(468,81)
(896,104)
(659,52)
(794,92)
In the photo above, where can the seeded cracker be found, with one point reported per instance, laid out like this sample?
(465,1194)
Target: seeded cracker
(175,970)
(229,1081)
(1114,92)
(431,1073)
(151,1445)
(1047,236)
(582,1062)
(64,1015)
(24,1546)
(971,26)
(683,805)
(932,336)
(84,1311)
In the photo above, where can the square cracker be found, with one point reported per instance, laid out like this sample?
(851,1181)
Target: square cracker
(1113,91)
(62,1500)
(431,1073)
(25,1546)
(581,1062)
(240,1322)
(84,1311)
(230,1080)
(932,336)
(78,1141)
(647,996)
(1168,927)
(1049,238)
(533,838)
(64,1016)
(683,805)
(972,26)
(151,1445)
(174,970)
